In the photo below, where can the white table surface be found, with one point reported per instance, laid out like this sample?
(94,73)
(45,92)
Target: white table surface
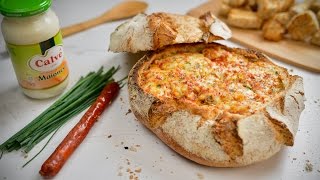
(100,157)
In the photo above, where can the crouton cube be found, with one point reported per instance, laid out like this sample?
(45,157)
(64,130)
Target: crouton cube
(283,18)
(300,7)
(273,30)
(267,8)
(253,5)
(252,2)
(244,19)
(302,26)
(316,38)
(315,6)
(235,3)
(224,9)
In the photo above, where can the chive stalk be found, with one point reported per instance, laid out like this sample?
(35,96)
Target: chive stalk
(77,99)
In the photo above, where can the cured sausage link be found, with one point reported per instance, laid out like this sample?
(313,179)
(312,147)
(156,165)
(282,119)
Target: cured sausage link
(74,138)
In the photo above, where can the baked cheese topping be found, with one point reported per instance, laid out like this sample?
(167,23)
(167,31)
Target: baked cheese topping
(213,79)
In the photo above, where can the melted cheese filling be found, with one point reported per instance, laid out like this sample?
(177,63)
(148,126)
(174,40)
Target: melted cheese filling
(213,79)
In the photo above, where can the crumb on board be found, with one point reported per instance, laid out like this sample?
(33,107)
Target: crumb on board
(132,174)
(308,167)
(110,136)
(128,171)
(200,176)
(133,149)
(138,170)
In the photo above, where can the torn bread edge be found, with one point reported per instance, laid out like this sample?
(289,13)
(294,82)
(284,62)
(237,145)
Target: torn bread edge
(150,32)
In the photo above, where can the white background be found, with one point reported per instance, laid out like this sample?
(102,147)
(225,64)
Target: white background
(100,157)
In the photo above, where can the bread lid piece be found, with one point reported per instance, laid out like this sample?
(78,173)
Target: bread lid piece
(150,32)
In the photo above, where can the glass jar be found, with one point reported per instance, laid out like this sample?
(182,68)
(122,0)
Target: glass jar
(34,41)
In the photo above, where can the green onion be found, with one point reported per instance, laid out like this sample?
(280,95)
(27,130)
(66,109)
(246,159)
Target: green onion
(41,149)
(77,99)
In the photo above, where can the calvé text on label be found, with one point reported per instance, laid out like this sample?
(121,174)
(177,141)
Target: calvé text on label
(52,59)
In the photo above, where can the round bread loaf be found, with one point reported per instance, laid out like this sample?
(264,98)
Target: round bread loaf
(217,106)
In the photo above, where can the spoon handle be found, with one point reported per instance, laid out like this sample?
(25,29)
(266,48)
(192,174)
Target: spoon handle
(72,29)
(123,10)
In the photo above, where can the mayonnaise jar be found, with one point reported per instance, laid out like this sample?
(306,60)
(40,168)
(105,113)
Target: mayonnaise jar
(33,38)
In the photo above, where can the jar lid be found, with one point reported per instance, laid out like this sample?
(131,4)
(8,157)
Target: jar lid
(22,8)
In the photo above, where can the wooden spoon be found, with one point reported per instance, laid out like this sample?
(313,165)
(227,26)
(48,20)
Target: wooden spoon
(123,10)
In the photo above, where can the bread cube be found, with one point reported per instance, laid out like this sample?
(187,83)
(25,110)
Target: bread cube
(302,26)
(273,30)
(244,19)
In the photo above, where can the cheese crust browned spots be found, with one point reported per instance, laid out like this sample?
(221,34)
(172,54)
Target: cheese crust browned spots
(213,78)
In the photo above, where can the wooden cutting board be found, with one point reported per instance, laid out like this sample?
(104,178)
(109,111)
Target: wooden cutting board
(300,54)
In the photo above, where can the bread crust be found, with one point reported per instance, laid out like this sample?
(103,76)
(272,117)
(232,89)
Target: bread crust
(150,32)
(262,133)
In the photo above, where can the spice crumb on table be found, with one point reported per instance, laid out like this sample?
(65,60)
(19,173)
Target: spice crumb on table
(308,167)
(200,176)
(132,173)
(138,170)
(133,149)
(129,111)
